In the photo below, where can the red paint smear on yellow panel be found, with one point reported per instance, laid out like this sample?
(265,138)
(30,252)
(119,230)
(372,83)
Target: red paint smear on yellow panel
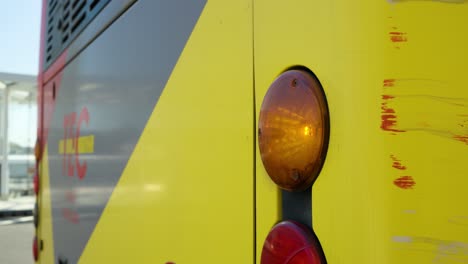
(386,109)
(389,122)
(389,118)
(397,163)
(389,82)
(461,138)
(398,36)
(398,39)
(405,182)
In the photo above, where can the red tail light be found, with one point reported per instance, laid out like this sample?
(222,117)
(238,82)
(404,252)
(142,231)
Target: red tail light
(35,249)
(290,243)
(36,183)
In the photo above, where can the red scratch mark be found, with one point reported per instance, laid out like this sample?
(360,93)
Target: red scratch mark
(387,110)
(389,118)
(396,36)
(405,182)
(397,163)
(384,107)
(461,138)
(398,39)
(388,122)
(389,82)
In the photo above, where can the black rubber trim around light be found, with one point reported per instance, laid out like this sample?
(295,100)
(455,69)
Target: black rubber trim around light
(297,206)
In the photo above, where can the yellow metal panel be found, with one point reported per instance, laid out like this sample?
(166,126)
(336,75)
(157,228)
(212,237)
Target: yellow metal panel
(186,194)
(45,230)
(393,187)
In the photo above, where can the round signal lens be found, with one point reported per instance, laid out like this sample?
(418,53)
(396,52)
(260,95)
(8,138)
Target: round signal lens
(290,243)
(293,130)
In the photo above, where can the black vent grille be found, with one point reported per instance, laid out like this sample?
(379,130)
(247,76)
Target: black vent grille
(65,20)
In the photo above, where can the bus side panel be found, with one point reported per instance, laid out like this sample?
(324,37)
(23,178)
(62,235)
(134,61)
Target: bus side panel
(186,193)
(98,107)
(393,186)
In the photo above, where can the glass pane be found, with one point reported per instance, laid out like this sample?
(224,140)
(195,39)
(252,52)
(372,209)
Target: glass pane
(22,122)
(2,122)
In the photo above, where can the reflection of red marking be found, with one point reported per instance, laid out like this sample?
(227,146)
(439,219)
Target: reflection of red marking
(388,116)
(81,168)
(70,196)
(70,215)
(397,163)
(72,129)
(68,122)
(389,83)
(405,182)
(461,138)
(170,262)
(398,36)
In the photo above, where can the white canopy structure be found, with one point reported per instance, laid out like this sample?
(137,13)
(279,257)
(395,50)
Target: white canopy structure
(18,110)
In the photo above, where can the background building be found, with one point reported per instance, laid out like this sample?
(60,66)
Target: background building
(18,122)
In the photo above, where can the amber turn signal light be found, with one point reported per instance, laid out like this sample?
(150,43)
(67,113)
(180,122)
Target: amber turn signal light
(293,130)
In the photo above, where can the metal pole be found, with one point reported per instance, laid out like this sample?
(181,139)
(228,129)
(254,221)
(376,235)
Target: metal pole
(4,173)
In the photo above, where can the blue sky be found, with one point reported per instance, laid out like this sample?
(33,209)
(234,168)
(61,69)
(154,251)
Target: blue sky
(19,31)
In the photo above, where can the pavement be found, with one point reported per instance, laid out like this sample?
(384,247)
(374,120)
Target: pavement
(16,230)
(16,243)
(19,206)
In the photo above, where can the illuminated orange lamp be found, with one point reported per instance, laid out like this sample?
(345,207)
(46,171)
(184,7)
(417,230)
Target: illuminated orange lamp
(293,130)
